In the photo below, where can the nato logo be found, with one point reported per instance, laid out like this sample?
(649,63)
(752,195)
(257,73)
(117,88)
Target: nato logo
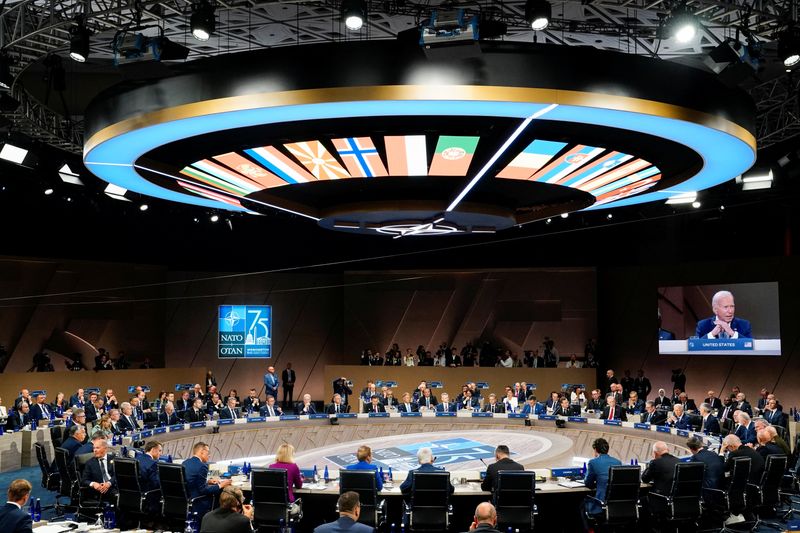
(404,457)
(245,331)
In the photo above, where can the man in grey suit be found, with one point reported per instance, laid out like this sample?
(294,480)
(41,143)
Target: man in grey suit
(349,511)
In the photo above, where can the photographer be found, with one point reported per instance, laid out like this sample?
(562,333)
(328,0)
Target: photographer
(232,515)
(343,387)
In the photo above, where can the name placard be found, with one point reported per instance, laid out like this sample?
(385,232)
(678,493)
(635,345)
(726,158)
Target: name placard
(253,419)
(378,415)
(225,421)
(612,422)
(195,425)
(719,345)
(664,429)
(445,413)
(642,425)
(176,427)
(290,417)
(578,419)
(481,415)
(405,415)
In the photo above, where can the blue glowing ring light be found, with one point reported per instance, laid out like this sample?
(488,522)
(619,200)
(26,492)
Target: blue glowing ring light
(724,154)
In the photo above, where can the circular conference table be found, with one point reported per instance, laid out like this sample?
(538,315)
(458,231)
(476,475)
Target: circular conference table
(461,442)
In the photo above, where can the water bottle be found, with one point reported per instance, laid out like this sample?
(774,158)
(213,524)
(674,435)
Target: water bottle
(37,510)
(402,527)
(391,529)
(282,526)
(391,477)
(195,522)
(510,530)
(188,528)
(326,475)
(380,473)
(112,517)
(33,425)
(316,474)
(106,520)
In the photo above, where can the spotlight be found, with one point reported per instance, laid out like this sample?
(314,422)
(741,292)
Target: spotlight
(12,153)
(79,40)
(195,220)
(789,46)
(564,215)
(609,216)
(548,221)
(116,192)
(683,24)
(353,14)
(203,21)
(48,192)
(6,78)
(696,204)
(682,198)
(144,207)
(214,218)
(537,13)
(755,179)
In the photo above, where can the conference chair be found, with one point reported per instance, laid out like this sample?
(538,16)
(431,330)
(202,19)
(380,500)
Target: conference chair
(765,497)
(514,500)
(175,501)
(683,504)
(721,504)
(620,509)
(57,435)
(429,509)
(69,482)
(270,489)
(133,501)
(50,480)
(363,482)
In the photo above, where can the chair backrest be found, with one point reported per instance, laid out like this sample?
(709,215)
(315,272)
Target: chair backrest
(270,490)
(622,494)
(430,501)
(514,499)
(364,483)
(41,458)
(687,490)
(67,473)
(57,435)
(130,492)
(774,468)
(174,496)
(737,487)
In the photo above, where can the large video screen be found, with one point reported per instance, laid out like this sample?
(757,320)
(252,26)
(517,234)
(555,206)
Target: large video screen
(245,331)
(736,319)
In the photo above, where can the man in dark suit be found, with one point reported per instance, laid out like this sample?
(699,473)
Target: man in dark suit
(715,465)
(168,417)
(288,377)
(774,414)
(197,483)
(714,402)
(127,420)
(652,415)
(610,380)
(446,406)
(197,413)
(662,401)
(19,418)
(305,407)
(493,406)
(563,408)
(341,387)
(184,402)
(723,325)
(642,385)
(232,515)
(407,405)
(485,519)
(745,428)
(532,407)
(148,474)
(252,403)
(40,410)
(229,411)
(270,409)
(12,518)
(427,399)
(661,470)
(710,424)
(90,409)
(77,434)
(688,405)
(98,473)
(677,418)
(733,445)
(425,458)
(349,507)
(742,404)
(597,402)
(597,474)
(24,396)
(613,411)
(336,406)
(77,399)
(502,461)
(374,406)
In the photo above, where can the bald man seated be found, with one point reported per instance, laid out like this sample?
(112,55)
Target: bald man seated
(485,520)
(661,470)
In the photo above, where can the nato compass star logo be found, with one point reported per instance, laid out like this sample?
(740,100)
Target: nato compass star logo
(231,319)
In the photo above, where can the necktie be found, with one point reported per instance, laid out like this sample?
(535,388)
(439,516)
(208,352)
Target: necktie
(337,408)
(445,408)
(45,413)
(611,414)
(649,417)
(493,408)
(428,402)
(103,468)
(375,408)
(408,408)
(271,412)
(196,414)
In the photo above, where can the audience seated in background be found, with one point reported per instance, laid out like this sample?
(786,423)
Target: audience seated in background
(284,459)
(232,515)
(349,511)
(12,518)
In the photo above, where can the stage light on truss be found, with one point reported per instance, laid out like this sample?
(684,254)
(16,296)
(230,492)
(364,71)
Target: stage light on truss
(68,176)
(13,153)
(789,46)
(538,13)
(682,198)
(683,24)
(203,21)
(79,40)
(48,191)
(353,14)
(756,179)
(214,218)
(116,192)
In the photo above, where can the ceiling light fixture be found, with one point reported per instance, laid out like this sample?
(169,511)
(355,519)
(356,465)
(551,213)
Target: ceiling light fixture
(538,13)
(116,192)
(683,24)
(68,176)
(353,14)
(13,153)
(79,40)
(789,46)
(203,21)
(682,198)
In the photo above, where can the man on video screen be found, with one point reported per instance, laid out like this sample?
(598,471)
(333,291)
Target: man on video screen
(723,325)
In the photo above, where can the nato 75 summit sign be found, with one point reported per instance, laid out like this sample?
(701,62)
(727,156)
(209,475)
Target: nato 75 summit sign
(245,331)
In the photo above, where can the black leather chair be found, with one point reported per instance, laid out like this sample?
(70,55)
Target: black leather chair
(133,501)
(69,482)
(765,497)
(429,509)
(57,435)
(175,502)
(620,509)
(722,503)
(514,500)
(271,503)
(683,504)
(373,510)
(50,479)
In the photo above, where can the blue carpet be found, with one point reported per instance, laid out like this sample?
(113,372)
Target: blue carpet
(34,475)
